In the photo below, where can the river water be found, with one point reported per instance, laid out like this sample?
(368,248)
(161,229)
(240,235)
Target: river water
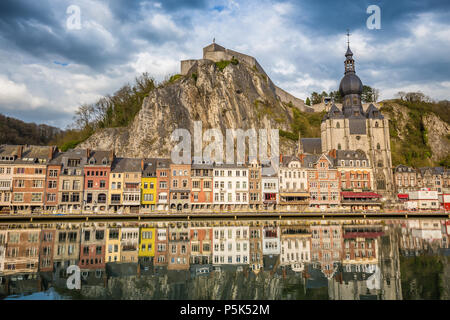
(293,259)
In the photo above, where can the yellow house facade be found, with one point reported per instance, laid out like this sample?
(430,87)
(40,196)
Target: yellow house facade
(148,186)
(113,236)
(147,242)
(115,191)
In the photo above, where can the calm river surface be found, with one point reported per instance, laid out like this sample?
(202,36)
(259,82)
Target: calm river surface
(239,259)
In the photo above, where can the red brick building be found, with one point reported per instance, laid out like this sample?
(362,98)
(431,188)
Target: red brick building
(96,180)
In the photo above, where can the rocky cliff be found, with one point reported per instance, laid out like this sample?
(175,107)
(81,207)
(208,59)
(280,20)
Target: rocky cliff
(221,95)
(419,135)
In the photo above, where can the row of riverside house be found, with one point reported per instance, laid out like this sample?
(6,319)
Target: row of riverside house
(36,256)
(40,179)
(422,188)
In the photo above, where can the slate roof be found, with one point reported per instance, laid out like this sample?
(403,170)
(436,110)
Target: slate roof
(311,145)
(126,165)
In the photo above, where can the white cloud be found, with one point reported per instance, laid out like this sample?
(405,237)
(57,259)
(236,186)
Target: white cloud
(16,95)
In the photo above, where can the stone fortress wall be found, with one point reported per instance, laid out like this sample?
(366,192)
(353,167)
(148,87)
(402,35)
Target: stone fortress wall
(216,53)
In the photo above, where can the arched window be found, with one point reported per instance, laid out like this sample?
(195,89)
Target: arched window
(338,125)
(339,146)
(376,124)
(378,146)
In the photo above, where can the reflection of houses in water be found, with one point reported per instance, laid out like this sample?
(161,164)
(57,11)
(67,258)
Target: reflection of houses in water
(3,236)
(256,251)
(92,247)
(113,236)
(295,247)
(231,245)
(129,244)
(47,244)
(360,243)
(356,282)
(21,251)
(66,250)
(389,263)
(271,240)
(201,244)
(161,246)
(419,236)
(326,247)
(179,249)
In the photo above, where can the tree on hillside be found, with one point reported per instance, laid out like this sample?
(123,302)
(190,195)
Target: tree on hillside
(315,98)
(336,96)
(308,101)
(369,94)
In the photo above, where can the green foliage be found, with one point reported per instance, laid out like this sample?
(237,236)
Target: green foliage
(412,149)
(307,123)
(117,110)
(369,94)
(288,135)
(14,131)
(175,77)
(234,61)
(194,76)
(317,97)
(222,64)
(308,101)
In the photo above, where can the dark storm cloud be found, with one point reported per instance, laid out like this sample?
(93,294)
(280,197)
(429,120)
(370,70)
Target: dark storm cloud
(116,32)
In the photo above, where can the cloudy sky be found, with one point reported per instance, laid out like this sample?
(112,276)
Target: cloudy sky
(48,67)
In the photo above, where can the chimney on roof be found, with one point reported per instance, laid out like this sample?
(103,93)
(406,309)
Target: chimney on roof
(281,158)
(51,152)
(301,156)
(142,164)
(332,153)
(111,156)
(88,153)
(19,152)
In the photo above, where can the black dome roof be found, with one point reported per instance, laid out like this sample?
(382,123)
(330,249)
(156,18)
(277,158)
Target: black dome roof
(350,84)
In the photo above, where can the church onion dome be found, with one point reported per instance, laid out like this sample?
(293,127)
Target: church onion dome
(350,84)
(349,52)
(373,112)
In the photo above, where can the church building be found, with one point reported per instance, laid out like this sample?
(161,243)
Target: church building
(351,128)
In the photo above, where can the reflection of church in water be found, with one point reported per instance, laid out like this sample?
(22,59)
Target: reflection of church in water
(352,128)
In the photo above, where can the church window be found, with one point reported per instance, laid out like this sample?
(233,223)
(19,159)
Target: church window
(355,100)
(338,125)
(351,163)
(378,146)
(380,163)
(358,137)
(339,146)
(376,124)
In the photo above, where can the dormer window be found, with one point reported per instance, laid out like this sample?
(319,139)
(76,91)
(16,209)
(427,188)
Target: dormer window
(92,161)
(105,161)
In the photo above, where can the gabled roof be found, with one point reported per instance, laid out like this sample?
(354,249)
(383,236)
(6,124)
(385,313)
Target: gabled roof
(335,113)
(373,112)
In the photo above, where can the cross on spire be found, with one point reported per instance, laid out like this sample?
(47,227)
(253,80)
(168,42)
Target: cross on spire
(348,37)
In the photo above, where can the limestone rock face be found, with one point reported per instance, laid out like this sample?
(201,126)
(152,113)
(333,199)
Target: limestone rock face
(438,131)
(237,97)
